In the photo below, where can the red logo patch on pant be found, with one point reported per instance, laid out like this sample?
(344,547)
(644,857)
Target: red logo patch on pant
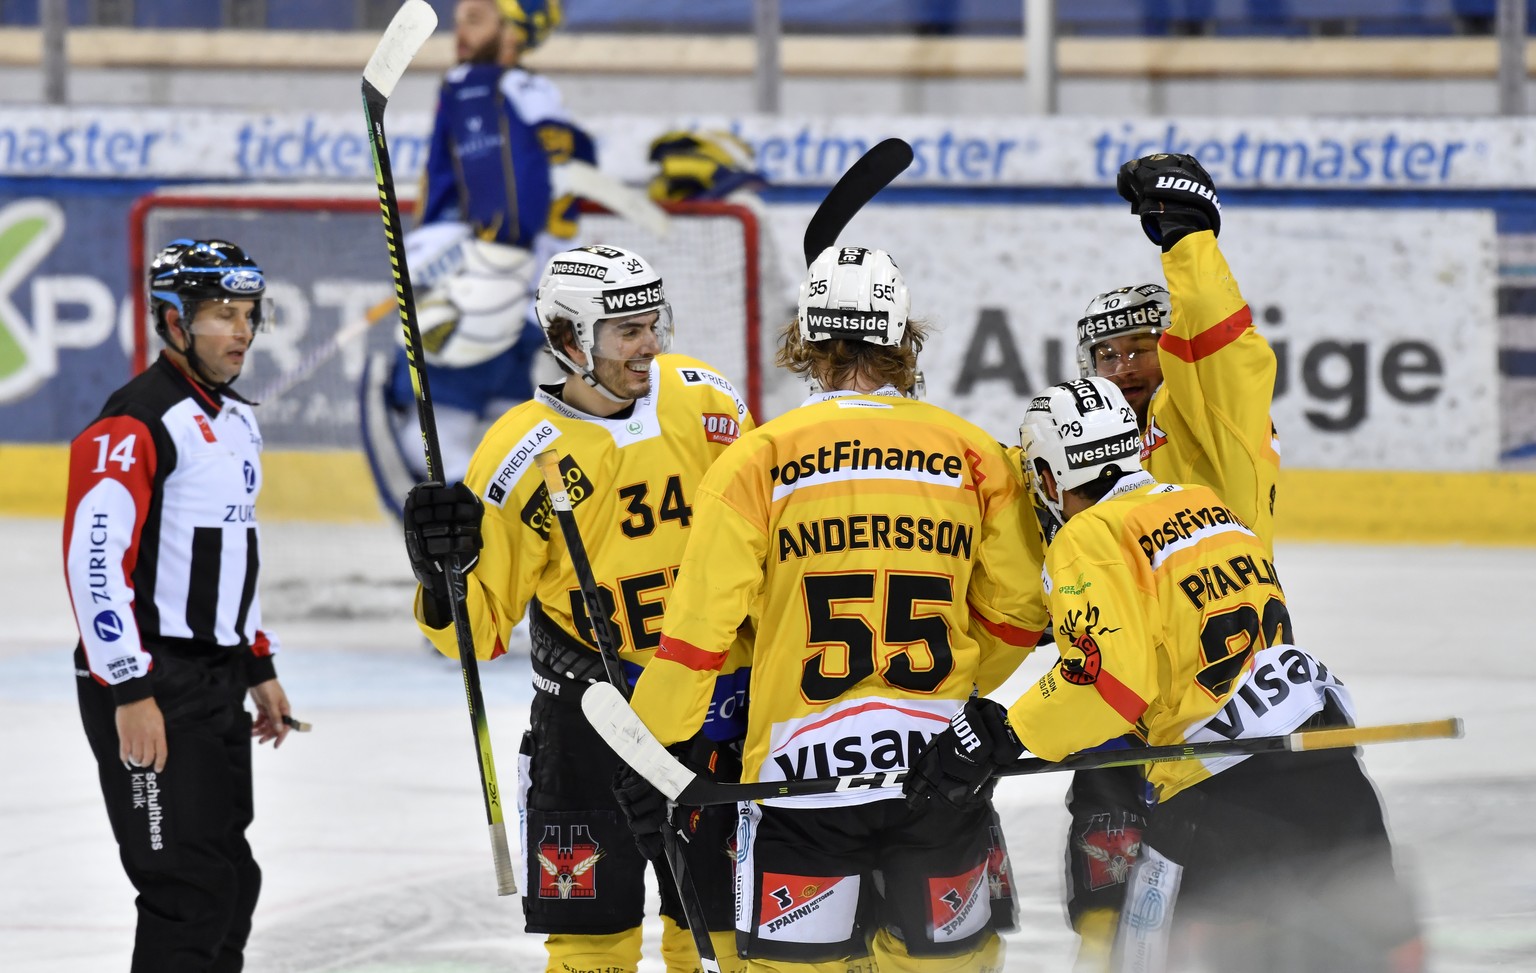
(959,905)
(568,869)
(1109,852)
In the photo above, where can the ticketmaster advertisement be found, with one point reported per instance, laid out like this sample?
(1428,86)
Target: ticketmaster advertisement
(1298,153)
(1385,317)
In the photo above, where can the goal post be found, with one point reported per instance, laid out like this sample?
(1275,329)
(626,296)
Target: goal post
(324,259)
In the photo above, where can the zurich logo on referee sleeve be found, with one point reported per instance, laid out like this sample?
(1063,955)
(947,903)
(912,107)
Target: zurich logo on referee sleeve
(108,626)
(250,477)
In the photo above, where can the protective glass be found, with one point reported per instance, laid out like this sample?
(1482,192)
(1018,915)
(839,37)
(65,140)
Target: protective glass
(224,317)
(1026,440)
(634,335)
(1132,353)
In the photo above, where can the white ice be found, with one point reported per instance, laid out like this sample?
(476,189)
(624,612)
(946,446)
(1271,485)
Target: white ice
(371,832)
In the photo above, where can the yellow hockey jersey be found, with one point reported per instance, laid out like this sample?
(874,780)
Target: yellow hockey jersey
(1209,421)
(877,544)
(1170,620)
(632,482)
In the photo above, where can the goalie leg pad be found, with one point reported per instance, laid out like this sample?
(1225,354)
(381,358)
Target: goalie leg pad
(474,306)
(391,436)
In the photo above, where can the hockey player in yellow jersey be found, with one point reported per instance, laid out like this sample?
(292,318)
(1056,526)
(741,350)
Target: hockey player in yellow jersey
(1188,360)
(636,428)
(876,543)
(1171,620)
(1200,380)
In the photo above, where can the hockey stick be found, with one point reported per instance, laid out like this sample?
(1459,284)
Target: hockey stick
(583,179)
(871,173)
(323,353)
(549,464)
(413,23)
(616,723)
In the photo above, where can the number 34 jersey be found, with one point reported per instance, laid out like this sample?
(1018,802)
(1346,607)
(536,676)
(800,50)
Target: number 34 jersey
(631,480)
(1170,619)
(876,543)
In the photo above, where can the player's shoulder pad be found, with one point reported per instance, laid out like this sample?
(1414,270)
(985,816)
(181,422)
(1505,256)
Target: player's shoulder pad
(511,444)
(690,372)
(534,97)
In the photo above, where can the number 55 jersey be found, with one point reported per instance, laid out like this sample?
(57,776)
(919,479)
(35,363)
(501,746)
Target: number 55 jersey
(876,544)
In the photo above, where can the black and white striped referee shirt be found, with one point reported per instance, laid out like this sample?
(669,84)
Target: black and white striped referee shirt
(161,545)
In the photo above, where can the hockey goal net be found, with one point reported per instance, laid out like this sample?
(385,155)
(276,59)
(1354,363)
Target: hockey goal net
(323,252)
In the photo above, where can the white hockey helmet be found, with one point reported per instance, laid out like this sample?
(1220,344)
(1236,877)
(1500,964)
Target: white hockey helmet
(854,293)
(590,284)
(1139,309)
(1081,430)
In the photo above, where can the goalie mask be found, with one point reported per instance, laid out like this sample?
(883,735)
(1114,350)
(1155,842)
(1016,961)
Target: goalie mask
(592,288)
(1142,309)
(1081,430)
(856,294)
(701,165)
(534,20)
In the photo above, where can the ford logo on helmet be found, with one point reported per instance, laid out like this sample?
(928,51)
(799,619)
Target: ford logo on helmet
(243,281)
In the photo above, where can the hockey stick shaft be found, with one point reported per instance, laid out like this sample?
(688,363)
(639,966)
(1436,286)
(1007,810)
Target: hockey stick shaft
(412,24)
(589,182)
(613,719)
(548,463)
(323,353)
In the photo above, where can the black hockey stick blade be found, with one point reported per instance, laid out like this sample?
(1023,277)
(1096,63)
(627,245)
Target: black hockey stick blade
(873,171)
(610,715)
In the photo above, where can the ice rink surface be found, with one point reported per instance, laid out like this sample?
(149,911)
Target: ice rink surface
(372,835)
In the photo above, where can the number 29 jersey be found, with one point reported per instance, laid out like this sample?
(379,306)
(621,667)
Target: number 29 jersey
(875,542)
(1171,621)
(631,480)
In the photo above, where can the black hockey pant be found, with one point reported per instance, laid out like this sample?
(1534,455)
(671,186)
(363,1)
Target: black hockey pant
(181,833)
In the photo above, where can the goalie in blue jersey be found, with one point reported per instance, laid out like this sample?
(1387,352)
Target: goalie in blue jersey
(489,216)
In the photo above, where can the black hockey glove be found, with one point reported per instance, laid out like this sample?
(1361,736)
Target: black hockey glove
(958,765)
(644,807)
(441,521)
(1173,195)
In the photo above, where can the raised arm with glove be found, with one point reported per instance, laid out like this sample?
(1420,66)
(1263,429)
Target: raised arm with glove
(1173,195)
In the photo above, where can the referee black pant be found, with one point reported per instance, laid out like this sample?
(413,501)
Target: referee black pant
(181,833)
